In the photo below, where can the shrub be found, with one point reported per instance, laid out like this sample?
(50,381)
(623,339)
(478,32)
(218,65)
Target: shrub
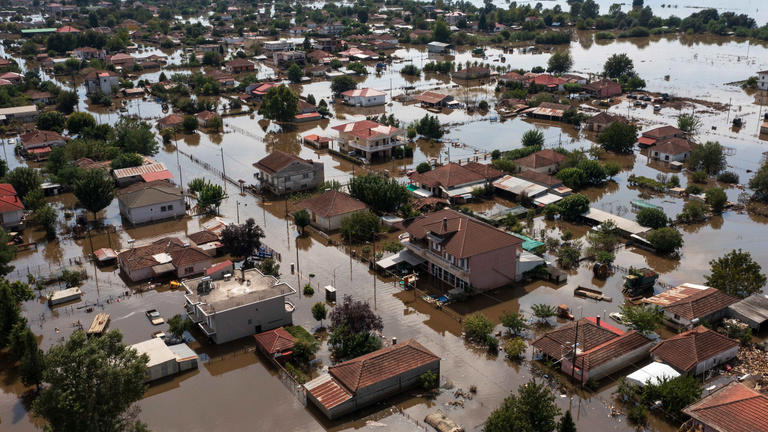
(477,327)
(699,177)
(717,199)
(410,70)
(638,415)
(423,167)
(693,211)
(514,348)
(428,380)
(728,177)
(308,290)
(652,218)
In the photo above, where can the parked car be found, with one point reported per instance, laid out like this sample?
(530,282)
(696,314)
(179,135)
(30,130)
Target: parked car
(154,317)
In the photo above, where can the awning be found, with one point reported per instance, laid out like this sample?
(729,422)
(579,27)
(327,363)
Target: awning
(646,141)
(163,268)
(466,190)
(403,256)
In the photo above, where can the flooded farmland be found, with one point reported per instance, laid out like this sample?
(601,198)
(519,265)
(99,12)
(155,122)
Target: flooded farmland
(234,388)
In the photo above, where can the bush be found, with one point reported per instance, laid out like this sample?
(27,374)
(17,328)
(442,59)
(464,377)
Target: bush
(308,290)
(699,177)
(423,167)
(638,415)
(693,189)
(477,327)
(428,380)
(360,226)
(568,256)
(728,177)
(410,70)
(514,348)
(652,218)
(514,322)
(693,211)
(716,199)
(573,206)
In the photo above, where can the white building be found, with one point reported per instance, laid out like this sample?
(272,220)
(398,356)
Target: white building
(104,81)
(762,80)
(370,139)
(279,45)
(364,97)
(165,360)
(438,47)
(239,306)
(150,202)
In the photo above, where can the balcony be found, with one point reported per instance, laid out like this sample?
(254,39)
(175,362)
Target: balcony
(206,328)
(191,313)
(437,259)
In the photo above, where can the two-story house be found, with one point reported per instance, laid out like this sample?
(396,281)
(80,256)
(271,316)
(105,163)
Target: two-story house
(104,81)
(238,306)
(370,139)
(163,257)
(281,173)
(464,252)
(454,181)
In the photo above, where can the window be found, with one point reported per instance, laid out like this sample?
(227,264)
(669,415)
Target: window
(449,258)
(250,321)
(189,270)
(170,207)
(162,208)
(305,175)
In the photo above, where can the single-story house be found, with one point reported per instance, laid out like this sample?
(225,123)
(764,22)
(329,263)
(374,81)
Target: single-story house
(364,97)
(697,350)
(150,202)
(370,378)
(548,111)
(708,304)
(170,121)
(146,173)
(438,47)
(21,114)
(603,88)
(545,161)
(752,310)
(276,343)
(162,257)
(207,240)
(165,360)
(204,116)
(328,209)
(650,137)
(11,208)
(453,181)
(733,408)
(671,149)
(239,65)
(38,139)
(433,99)
(600,121)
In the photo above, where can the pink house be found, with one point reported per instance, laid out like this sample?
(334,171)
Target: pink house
(464,252)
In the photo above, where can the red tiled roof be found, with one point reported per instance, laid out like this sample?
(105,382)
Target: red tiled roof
(646,141)
(686,350)
(540,178)
(328,391)
(366,129)
(171,120)
(598,85)
(541,158)
(558,342)
(701,304)
(204,236)
(430,97)
(264,88)
(673,146)
(604,118)
(616,347)
(485,170)
(38,138)
(733,408)
(275,341)
(448,176)
(463,236)
(662,132)
(142,256)
(9,201)
(219,267)
(381,365)
(548,80)
(332,203)
(159,175)
(277,160)
(67,29)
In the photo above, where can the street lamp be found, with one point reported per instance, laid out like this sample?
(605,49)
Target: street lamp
(238,210)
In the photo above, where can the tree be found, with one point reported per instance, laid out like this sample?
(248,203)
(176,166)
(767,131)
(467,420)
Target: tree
(560,62)
(31,362)
(360,226)
(66,102)
(574,178)
(736,273)
(674,394)
(542,311)
(441,32)
(95,190)
(7,254)
(51,120)
(514,348)
(279,104)
(343,83)
(381,194)
(514,322)
(532,409)
(196,185)
(652,217)
(46,217)
(210,197)
(127,160)
(594,173)
(79,121)
(573,206)
(688,123)
(618,65)
(24,180)
(215,123)
(190,123)
(301,218)
(590,9)
(423,167)
(477,327)
(566,421)
(9,313)
(642,318)
(429,127)
(533,137)
(619,137)
(99,399)
(135,136)
(708,157)
(269,267)
(665,240)
(211,58)
(242,240)
(759,183)
(357,68)
(716,199)
(295,73)
(319,312)
(178,324)
(693,211)
(352,326)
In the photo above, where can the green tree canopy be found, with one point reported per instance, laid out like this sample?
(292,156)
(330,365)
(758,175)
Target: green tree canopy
(79,121)
(688,123)
(127,160)
(381,194)
(178,324)
(319,312)
(66,102)
(360,226)
(301,218)
(533,137)
(736,273)
(619,137)
(343,83)
(279,104)
(242,240)
(708,157)
(573,206)
(533,409)
(642,318)
(24,180)
(665,240)
(716,199)
(295,73)
(560,62)
(51,120)
(618,65)
(135,136)
(94,190)
(652,217)
(210,197)
(441,32)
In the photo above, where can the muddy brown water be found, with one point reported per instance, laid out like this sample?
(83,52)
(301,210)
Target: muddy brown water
(234,389)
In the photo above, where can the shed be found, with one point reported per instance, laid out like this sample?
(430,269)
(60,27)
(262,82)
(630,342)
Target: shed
(162,361)
(626,226)
(653,373)
(753,310)
(64,296)
(105,255)
(186,358)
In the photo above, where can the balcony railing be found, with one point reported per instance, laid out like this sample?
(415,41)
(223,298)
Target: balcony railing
(436,258)
(206,328)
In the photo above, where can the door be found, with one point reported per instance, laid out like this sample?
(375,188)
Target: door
(257,329)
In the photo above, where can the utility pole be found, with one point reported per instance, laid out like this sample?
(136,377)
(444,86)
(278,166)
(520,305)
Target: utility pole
(223,170)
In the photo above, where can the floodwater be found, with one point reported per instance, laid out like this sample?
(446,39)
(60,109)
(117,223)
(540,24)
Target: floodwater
(234,389)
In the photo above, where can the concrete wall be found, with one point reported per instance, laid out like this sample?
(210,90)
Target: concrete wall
(11,219)
(669,157)
(154,212)
(292,178)
(365,101)
(716,360)
(138,275)
(493,269)
(197,268)
(328,224)
(240,322)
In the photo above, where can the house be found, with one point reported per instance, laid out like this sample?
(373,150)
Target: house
(150,202)
(208,241)
(359,54)
(511,77)
(545,161)
(696,305)
(11,208)
(203,117)
(281,58)
(600,121)
(281,173)
(40,97)
(364,97)
(221,77)
(650,137)
(523,188)
(438,47)
(165,360)
(453,18)
(369,138)
(365,380)
(276,343)
(146,173)
(433,99)
(601,349)
(319,56)
(544,179)
(327,44)
(697,350)
(464,252)
(548,111)
(13,77)
(21,114)
(168,255)
(733,408)
(40,139)
(471,73)
(603,88)
(170,121)
(328,209)
(316,141)
(762,80)
(239,65)
(222,270)
(752,310)
(121,60)
(454,181)
(334,28)
(671,149)
(90,53)
(550,82)
(206,48)
(279,45)
(260,90)
(103,81)
(248,302)
(306,112)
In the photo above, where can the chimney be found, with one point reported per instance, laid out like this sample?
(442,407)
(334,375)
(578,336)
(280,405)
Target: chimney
(242,273)
(597,319)
(445,224)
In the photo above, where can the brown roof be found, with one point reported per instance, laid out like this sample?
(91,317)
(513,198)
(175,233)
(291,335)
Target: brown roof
(485,170)
(37,138)
(675,294)
(616,347)
(540,178)
(332,203)
(142,256)
(203,237)
(277,160)
(558,342)
(733,408)
(275,341)
(554,106)
(150,193)
(540,159)
(171,120)
(430,97)
(239,62)
(462,235)
(673,146)
(88,163)
(448,176)
(604,117)
(662,132)
(686,350)
(701,304)
(597,85)
(381,365)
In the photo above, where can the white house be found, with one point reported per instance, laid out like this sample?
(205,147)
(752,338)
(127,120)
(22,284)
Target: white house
(279,45)
(328,209)
(438,47)
(762,80)
(370,139)
(104,81)
(150,202)
(165,360)
(364,97)
(672,149)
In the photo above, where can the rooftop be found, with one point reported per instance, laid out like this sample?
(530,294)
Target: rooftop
(754,308)
(363,92)
(448,176)
(146,194)
(591,333)
(733,408)
(277,160)
(245,287)
(139,170)
(275,340)
(157,351)
(332,203)
(540,159)
(367,129)
(701,304)
(686,350)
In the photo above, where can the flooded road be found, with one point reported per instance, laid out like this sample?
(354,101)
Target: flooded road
(234,389)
